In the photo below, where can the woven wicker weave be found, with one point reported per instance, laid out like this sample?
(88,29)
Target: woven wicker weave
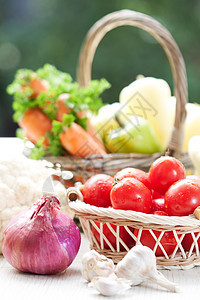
(110,163)
(130,220)
(90,215)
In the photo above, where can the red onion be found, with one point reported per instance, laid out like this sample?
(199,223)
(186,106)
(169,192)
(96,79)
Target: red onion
(42,239)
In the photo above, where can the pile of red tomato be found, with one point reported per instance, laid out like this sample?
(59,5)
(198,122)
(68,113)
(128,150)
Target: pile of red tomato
(164,190)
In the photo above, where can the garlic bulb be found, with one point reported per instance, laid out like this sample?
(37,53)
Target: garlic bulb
(139,265)
(95,264)
(110,286)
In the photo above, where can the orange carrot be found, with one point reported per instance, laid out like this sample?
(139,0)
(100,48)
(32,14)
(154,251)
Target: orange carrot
(78,142)
(95,135)
(38,86)
(63,109)
(25,134)
(35,124)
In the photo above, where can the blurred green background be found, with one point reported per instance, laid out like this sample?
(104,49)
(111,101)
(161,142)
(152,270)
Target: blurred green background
(34,32)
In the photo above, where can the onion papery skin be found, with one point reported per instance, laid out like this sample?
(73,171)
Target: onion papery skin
(42,239)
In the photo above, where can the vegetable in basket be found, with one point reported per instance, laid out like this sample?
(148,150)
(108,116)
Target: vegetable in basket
(165,171)
(96,190)
(142,120)
(110,240)
(63,109)
(59,102)
(192,124)
(105,120)
(35,125)
(192,121)
(183,197)
(164,191)
(131,194)
(158,204)
(78,142)
(193,151)
(168,241)
(145,118)
(134,135)
(150,98)
(133,173)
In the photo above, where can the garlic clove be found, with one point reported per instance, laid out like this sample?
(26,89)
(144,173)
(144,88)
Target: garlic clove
(88,271)
(95,264)
(134,264)
(110,286)
(139,265)
(160,279)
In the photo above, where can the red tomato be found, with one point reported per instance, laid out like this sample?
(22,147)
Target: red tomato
(156,195)
(182,198)
(158,204)
(193,177)
(188,240)
(168,241)
(123,234)
(130,193)
(134,173)
(164,171)
(96,190)
(160,213)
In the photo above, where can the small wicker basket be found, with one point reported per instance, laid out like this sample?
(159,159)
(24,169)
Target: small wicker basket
(90,216)
(111,163)
(130,220)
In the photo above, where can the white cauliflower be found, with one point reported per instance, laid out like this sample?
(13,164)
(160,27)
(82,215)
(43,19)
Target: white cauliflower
(21,182)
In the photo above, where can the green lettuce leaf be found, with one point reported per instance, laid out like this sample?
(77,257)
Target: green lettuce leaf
(81,98)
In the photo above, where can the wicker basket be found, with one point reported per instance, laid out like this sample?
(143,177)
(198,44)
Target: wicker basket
(110,163)
(129,220)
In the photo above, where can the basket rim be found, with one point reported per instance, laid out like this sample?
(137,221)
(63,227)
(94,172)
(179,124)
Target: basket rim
(84,209)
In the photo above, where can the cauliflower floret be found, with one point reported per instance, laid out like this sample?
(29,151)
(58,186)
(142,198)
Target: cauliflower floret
(24,190)
(3,169)
(7,197)
(8,179)
(21,182)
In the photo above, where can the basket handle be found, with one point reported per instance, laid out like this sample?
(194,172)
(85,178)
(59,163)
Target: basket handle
(161,34)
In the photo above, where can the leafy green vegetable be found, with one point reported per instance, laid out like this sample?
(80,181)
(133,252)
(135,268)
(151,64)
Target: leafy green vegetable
(20,134)
(46,101)
(55,148)
(82,122)
(39,150)
(87,98)
(56,79)
(59,82)
(80,99)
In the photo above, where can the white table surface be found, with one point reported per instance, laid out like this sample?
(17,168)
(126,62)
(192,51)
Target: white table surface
(71,285)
